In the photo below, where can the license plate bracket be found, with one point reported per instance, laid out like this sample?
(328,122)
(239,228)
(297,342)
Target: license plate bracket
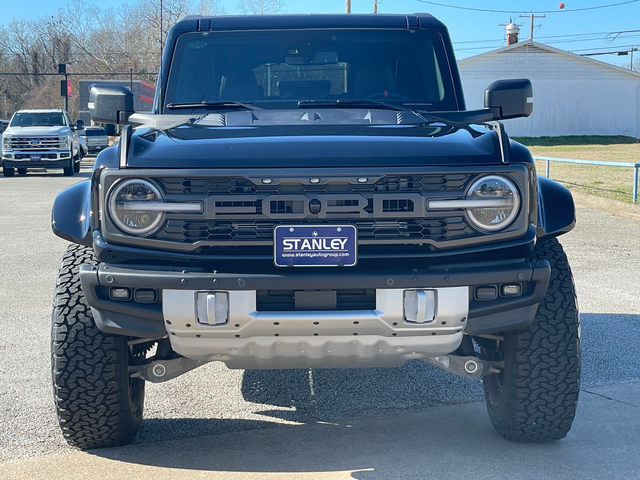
(35,157)
(315,246)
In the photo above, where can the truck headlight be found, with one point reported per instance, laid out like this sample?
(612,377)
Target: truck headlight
(493,203)
(6,142)
(131,206)
(63,142)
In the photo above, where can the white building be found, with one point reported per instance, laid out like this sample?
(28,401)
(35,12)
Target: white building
(574,95)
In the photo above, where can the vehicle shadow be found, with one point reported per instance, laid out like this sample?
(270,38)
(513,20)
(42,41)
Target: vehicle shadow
(85,172)
(362,449)
(370,423)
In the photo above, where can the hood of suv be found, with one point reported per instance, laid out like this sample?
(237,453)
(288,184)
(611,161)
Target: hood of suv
(218,142)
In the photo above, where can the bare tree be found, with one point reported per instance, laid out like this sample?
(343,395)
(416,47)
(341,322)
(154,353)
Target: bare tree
(261,7)
(111,43)
(210,7)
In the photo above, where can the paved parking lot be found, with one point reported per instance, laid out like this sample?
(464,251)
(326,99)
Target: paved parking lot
(213,404)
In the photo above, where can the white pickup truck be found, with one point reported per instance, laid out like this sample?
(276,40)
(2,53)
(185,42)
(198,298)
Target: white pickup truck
(42,139)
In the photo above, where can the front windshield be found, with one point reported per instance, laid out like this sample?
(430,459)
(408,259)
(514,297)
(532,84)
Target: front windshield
(26,119)
(276,68)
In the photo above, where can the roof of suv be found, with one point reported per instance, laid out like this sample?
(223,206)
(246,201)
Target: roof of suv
(249,22)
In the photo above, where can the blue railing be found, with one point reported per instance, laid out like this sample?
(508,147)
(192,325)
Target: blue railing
(635,166)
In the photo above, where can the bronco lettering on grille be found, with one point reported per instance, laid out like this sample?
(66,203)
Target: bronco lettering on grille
(297,207)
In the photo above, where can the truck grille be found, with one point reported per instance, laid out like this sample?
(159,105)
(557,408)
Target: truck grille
(385,209)
(262,232)
(36,144)
(389,209)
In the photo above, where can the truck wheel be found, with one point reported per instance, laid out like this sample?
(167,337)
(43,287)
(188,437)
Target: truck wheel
(68,171)
(76,163)
(534,398)
(97,403)
(8,171)
(22,171)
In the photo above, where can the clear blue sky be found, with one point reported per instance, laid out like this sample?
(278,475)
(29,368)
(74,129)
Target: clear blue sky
(473,32)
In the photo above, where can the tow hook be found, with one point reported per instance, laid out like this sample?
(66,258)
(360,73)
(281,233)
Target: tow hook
(466,366)
(159,371)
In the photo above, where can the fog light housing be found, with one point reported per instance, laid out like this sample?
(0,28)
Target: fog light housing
(419,306)
(514,290)
(145,296)
(119,293)
(486,293)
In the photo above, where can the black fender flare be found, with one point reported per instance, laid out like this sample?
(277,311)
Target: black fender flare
(71,214)
(556,210)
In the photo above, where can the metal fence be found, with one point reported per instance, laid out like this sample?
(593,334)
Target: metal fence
(635,166)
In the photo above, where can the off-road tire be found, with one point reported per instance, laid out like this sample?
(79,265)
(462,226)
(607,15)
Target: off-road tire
(22,171)
(8,171)
(97,403)
(534,398)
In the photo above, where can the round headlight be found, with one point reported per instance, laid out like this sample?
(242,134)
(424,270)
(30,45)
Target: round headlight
(494,203)
(131,207)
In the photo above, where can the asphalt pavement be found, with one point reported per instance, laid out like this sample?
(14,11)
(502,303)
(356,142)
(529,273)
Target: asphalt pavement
(361,423)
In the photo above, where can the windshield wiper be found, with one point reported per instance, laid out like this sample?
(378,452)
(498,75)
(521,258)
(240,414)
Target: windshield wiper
(221,105)
(350,104)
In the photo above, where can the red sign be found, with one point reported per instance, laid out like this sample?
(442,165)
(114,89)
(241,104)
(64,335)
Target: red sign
(66,88)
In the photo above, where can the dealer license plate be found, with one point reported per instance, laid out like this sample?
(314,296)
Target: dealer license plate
(315,246)
(34,157)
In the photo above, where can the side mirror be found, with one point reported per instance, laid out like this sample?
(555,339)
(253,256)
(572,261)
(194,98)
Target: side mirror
(110,103)
(510,98)
(80,125)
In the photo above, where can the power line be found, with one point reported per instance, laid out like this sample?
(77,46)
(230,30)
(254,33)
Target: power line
(529,12)
(545,37)
(495,43)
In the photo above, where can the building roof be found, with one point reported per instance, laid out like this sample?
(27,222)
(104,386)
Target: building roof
(542,46)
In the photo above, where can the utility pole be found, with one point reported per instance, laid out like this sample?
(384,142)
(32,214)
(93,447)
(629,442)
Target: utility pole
(161,33)
(375,6)
(532,17)
(347,6)
(5,98)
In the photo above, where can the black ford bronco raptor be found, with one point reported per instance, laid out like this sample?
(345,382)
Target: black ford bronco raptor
(311,192)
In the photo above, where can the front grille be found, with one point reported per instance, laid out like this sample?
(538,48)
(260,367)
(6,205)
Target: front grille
(385,208)
(240,211)
(36,144)
(438,230)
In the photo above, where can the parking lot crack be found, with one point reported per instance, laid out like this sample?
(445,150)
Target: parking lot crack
(610,398)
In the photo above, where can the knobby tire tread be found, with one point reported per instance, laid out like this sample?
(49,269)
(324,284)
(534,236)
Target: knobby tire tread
(89,368)
(541,379)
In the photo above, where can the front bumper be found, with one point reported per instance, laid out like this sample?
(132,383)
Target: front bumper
(253,338)
(48,159)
